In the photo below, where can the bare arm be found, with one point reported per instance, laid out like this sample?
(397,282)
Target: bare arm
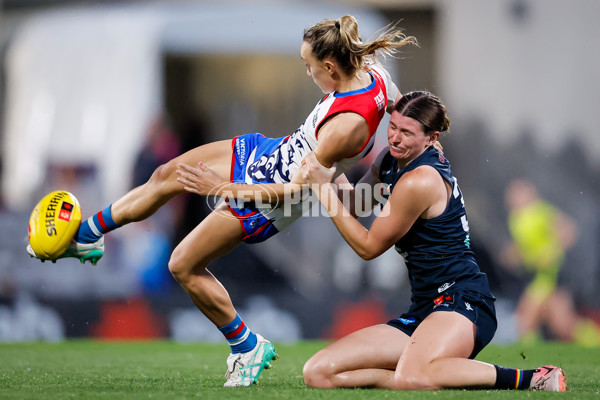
(341,137)
(205,182)
(414,195)
(362,201)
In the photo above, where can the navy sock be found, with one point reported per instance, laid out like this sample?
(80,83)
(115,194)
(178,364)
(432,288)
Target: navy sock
(240,337)
(509,378)
(95,226)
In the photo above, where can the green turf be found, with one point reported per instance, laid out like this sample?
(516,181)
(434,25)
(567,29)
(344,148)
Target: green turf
(167,370)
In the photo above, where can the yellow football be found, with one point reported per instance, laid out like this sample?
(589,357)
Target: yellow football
(53,224)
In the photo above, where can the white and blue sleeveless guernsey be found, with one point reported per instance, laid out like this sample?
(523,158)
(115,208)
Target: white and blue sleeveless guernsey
(259,159)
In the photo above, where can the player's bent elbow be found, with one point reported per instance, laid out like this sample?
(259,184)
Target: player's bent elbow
(367,256)
(368,249)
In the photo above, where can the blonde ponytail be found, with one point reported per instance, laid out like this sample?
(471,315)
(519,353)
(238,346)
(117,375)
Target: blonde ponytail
(340,40)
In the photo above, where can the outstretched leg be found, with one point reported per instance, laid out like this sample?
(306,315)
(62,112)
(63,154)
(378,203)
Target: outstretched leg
(145,200)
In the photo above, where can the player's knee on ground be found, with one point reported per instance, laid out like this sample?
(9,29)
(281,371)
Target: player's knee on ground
(318,373)
(412,379)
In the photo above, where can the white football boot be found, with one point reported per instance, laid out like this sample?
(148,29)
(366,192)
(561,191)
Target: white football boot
(82,251)
(244,369)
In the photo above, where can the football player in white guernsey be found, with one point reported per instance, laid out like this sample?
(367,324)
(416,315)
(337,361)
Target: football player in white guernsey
(340,129)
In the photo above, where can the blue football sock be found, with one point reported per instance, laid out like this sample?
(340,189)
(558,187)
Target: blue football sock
(95,226)
(240,337)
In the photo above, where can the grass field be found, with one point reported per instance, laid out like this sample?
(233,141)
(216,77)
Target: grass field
(167,370)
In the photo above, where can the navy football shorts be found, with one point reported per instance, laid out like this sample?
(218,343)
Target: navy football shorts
(476,307)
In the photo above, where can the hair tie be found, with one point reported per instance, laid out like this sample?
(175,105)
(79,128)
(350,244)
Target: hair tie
(337,24)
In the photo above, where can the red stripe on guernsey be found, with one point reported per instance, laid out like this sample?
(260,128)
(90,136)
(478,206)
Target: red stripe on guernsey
(232,158)
(233,334)
(101,221)
(365,144)
(362,104)
(378,116)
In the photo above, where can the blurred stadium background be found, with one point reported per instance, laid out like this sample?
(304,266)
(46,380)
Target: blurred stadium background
(95,94)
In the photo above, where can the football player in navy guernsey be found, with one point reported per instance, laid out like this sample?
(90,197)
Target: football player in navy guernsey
(452,315)
(340,130)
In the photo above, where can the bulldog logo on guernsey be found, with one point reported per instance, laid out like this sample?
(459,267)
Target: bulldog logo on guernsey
(263,169)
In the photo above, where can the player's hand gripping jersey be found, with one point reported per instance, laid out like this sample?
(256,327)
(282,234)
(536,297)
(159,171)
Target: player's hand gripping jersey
(258,159)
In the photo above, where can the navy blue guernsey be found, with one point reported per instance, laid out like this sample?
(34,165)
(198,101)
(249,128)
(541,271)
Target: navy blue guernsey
(436,250)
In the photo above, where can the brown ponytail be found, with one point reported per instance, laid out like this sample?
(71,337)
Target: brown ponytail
(426,108)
